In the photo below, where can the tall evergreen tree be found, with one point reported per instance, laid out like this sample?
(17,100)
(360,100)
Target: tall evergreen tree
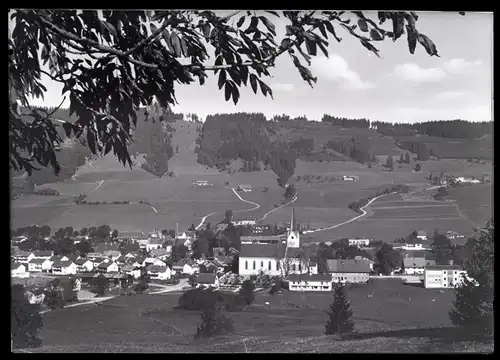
(401,159)
(407,157)
(390,163)
(340,313)
(473,306)
(247,291)
(374,158)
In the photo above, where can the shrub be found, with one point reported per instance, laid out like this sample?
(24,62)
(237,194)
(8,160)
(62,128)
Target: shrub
(200,299)
(214,321)
(247,291)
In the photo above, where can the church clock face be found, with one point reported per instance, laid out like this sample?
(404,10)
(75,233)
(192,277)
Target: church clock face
(293,240)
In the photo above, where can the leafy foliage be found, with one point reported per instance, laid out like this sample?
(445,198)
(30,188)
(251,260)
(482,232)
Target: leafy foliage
(443,248)
(346,122)
(26,320)
(473,306)
(128,59)
(214,321)
(339,314)
(200,299)
(247,291)
(387,258)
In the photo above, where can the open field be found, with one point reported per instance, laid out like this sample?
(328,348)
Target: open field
(455,148)
(456,167)
(395,312)
(474,201)
(317,217)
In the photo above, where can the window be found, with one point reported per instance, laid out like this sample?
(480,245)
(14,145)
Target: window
(254,264)
(444,284)
(444,272)
(261,264)
(455,272)
(277,266)
(293,267)
(300,267)
(269,267)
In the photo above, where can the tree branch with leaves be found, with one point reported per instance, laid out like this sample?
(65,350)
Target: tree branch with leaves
(122,60)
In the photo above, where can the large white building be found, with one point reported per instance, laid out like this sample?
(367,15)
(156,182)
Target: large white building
(359,242)
(443,276)
(321,282)
(273,257)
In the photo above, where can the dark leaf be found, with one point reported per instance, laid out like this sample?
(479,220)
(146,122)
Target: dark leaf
(222,78)
(206,30)
(269,25)
(427,44)
(311,47)
(176,44)
(462,13)
(253,82)
(321,27)
(244,74)
(45,54)
(227,91)
(331,29)
(111,28)
(240,21)
(323,49)
(370,47)
(285,43)
(108,147)
(363,26)
(375,35)
(184,46)
(254,22)
(289,31)
(412,39)
(236,94)
(67,128)
(265,89)
(415,16)
(397,26)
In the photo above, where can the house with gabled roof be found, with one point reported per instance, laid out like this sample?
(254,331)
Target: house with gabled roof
(94,255)
(185,266)
(153,261)
(159,272)
(107,266)
(35,265)
(207,280)
(18,270)
(84,265)
(135,271)
(61,267)
(349,271)
(154,243)
(106,246)
(111,254)
(161,254)
(416,265)
(23,257)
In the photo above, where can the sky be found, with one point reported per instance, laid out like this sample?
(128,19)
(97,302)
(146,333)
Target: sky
(354,83)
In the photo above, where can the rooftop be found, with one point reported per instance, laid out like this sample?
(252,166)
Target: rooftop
(60,263)
(348,266)
(157,269)
(22,254)
(43,253)
(444,267)
(37,261)
(81,261)
(262,250)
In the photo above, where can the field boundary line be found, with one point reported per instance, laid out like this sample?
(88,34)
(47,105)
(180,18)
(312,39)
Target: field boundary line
(351,220)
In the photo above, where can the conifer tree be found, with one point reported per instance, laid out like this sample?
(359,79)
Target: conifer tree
(473,306)
(407,158)
(390,163)
(340,314)
(374,158)
(401,159)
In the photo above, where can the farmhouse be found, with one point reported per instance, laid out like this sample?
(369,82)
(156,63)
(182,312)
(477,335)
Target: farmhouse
(43,254)
(359,242)
(111,254)
(201,183)
(416,265)
(349,271)
(190,235)
(185,266)
(412,244)
(452,235)
(84,265)
(161,254)
(18,270)
(142,241)
(244,188)
(159,272)
(443,276)
(63,267)
(35,265)
(94,255)
(107,266)
(320,282)
(153,261)
(132,270)
(208,280)
(23,257)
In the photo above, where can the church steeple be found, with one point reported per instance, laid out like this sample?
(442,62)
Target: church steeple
(293,239)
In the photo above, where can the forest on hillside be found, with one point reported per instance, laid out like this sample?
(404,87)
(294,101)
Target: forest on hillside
(454,129)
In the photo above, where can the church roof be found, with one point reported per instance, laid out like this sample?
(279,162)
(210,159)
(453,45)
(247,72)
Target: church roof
(262,250)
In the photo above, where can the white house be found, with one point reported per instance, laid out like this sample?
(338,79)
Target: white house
(208,280)
(359,242)
(23,257)
(186,236)
(452,235)
(111,254)
(63,267)
(443,276)
(416,265)
(107,267)
(350,178)
(185,266)
(318,282)
(153,261)
(244,222)
(161,254)
(159,272)
(349,271)
(95,255)
(84,265)
(244,188)
(422,235)
(142,241)
(131,270)
(18,270)
(35,265)
(154,243)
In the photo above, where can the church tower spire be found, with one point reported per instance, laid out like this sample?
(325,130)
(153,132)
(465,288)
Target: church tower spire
(293,239)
